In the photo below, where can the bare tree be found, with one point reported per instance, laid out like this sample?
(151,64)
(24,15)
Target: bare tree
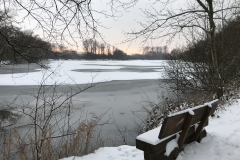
(146,49)
(109,51)
(60,21)
(195,18)
(46,129)
(102,47)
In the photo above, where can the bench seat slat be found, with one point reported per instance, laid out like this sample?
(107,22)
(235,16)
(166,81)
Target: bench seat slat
(188,123)
(170,126)
(160,147)
(174,124)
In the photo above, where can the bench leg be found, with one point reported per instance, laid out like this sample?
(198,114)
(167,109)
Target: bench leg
(174,154)
(153,156)
(202,135)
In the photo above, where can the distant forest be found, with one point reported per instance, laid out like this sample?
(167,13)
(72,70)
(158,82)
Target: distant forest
(18,46)
(93,49)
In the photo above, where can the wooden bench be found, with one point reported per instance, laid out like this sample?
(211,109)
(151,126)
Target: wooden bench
(182,127)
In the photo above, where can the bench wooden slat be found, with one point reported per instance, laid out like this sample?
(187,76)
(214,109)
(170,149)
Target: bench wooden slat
(198,114)
(159,155)
(208,111)
(161,147)
(170,126)
(214,107)
(184,123)
(201,125)
(150,148)
(185,130)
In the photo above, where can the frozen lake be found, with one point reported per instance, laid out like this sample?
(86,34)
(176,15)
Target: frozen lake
(126,84)
(81,72)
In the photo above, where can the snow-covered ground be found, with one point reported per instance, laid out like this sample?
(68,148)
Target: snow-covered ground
(221,143)
(82,72)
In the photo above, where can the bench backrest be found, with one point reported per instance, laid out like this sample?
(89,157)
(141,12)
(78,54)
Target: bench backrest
(174,123)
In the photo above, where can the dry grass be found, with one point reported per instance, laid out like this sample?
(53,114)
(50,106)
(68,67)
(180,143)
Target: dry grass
(85,140)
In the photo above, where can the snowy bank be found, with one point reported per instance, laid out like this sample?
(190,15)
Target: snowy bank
(113,153)
(221,143)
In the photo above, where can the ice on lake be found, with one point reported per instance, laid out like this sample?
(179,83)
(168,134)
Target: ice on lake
(82,72)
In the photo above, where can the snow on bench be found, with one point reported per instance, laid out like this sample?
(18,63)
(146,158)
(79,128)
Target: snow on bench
(166,141)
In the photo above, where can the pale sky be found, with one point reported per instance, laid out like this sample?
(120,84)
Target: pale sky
(126,22)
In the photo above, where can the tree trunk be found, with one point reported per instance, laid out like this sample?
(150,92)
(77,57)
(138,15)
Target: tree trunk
(217,76)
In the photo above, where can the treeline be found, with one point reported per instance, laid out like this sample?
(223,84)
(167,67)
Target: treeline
(96,50)
(157,52)
(19,46)
(199,56)
(93,50)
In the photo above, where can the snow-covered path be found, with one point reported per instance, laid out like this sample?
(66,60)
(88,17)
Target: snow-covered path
(222,142)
